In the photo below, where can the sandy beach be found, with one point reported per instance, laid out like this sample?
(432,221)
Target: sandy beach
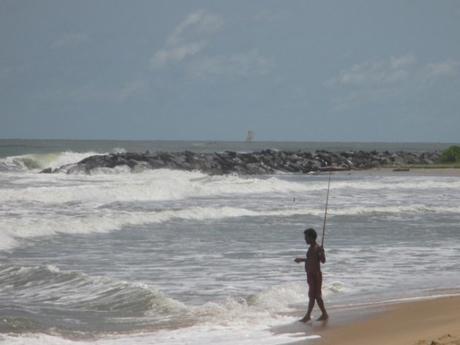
(434,322)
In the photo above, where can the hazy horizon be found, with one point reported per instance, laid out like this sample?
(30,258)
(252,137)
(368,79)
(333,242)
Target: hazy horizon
(236,141)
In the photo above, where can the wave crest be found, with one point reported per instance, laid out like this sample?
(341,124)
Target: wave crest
(49,286)
(41,161)
(106,220)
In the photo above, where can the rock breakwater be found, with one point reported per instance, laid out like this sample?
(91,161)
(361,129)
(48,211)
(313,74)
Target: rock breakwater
(253,163)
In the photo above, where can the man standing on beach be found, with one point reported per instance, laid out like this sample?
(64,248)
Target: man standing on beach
(315,256)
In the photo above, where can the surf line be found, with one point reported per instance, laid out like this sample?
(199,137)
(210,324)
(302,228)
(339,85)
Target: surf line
(325,209)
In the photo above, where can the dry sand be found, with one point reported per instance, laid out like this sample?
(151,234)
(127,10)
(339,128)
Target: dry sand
(429,322)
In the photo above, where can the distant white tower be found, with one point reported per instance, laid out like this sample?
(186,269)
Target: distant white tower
(250,137)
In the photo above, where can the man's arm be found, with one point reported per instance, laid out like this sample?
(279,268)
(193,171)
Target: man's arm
(298,260)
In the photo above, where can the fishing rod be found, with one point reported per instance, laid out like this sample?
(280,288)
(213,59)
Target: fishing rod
(325,209)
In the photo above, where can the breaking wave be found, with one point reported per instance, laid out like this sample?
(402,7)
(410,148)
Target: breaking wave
(106,220)
(47,286)
(35,162)
(161,184)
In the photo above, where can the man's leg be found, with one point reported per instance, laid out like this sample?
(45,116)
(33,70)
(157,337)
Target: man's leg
(311,304)
(324,315)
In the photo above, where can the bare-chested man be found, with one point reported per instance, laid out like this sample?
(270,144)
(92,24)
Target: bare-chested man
(315,256)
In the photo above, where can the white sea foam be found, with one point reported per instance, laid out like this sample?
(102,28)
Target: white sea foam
(196,335)
(79,290)
(398,183)
(234,320)
(160,184)
(86,193)
(29,225)
(75,290)
(166,184)
(105,220)
(119,150)
(42,161)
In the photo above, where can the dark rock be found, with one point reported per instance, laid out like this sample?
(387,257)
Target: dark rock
(263,162)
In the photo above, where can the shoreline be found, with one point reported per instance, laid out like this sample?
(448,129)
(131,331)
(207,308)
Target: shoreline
(419,322)
(423,321)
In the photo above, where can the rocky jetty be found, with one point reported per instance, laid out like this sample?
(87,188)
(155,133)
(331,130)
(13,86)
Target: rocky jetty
(254,163)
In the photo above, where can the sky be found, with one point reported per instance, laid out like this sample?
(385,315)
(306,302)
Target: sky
(212,70)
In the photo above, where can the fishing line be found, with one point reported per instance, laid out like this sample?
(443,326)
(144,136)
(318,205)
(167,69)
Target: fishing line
(325,209)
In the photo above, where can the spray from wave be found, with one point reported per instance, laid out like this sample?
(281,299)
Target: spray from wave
(36,162)
(138,304)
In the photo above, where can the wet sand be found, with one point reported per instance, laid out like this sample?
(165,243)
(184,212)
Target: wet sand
(435,321)
(423,322)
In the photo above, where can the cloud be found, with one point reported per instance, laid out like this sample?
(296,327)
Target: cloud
(394,70)
(186,44)
(374,81)
(357,97)
(445,69)
(176,54)
(130,89)
(376,73)
(394,77)
(188,38)
(266,15)
(235,65)
(197,23)
(70,40)
(93,92)
(402,61)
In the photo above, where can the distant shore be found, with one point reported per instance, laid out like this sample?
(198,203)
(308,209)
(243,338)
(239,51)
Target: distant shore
(452,170)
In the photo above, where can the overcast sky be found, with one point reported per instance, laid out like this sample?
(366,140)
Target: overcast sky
(211,70)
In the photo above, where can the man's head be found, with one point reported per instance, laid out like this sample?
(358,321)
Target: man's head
(310,235)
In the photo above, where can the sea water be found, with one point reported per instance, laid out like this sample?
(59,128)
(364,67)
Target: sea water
(175,257)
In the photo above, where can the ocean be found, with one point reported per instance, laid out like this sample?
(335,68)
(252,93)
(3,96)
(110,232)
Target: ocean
(175,257)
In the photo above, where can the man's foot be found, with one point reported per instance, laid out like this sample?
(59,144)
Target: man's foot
(323,317)
(305,319)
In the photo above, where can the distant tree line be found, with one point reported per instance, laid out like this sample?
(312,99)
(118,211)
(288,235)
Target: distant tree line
(451,155)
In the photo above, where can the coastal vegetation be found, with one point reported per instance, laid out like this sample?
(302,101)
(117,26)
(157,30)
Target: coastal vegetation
(451,155)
